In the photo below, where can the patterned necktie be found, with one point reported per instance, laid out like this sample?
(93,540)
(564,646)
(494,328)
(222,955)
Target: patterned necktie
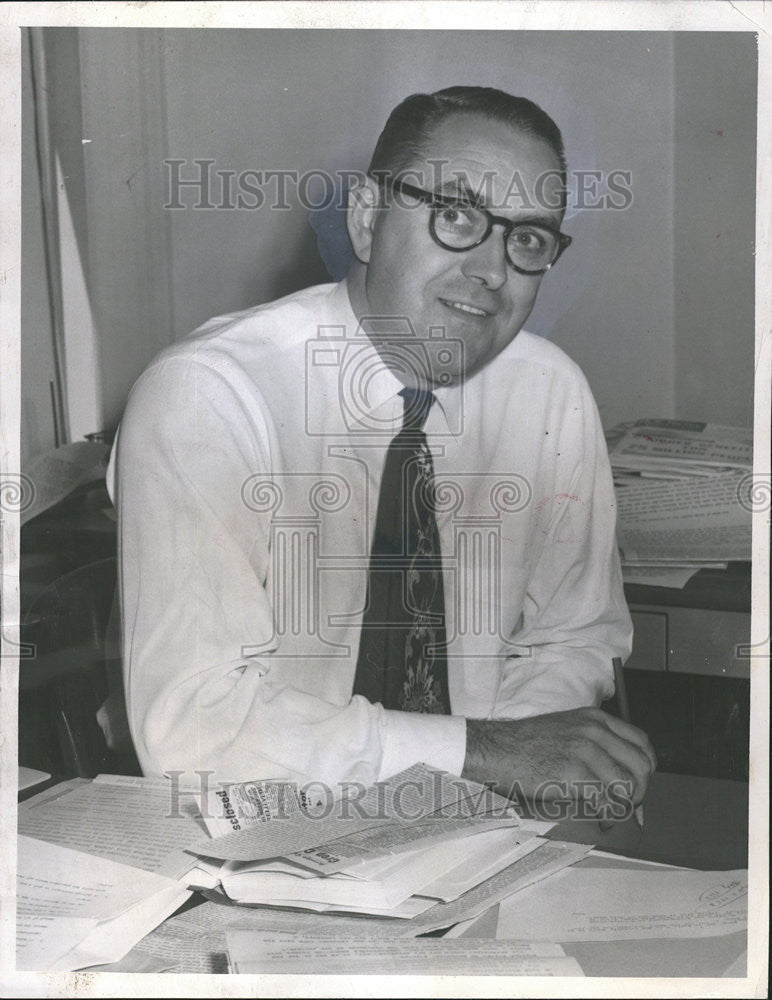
(402,662)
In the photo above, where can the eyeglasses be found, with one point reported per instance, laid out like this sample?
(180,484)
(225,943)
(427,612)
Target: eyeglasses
(456,224)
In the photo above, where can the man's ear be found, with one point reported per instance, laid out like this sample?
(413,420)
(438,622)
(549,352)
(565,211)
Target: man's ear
(361,214)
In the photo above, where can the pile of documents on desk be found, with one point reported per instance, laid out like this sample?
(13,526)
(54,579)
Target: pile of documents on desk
(684,497)
(404,848)
(99,865)
(75,910)
(103,865)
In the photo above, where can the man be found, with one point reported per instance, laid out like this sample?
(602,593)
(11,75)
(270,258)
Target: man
(254,465)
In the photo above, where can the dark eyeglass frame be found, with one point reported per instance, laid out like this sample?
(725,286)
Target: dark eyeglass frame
(435,201)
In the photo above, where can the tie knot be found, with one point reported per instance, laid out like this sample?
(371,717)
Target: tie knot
(418,402)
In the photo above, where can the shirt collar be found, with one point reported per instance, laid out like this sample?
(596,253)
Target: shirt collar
(377,387)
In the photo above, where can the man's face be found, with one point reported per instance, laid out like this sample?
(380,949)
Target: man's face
(474,295)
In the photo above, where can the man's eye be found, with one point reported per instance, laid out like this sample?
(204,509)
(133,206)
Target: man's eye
(455,216)
(528,240)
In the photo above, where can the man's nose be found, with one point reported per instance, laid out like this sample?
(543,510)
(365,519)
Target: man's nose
(487,262)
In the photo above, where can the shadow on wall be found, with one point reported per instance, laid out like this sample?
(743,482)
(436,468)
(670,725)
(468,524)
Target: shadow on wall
(334,246)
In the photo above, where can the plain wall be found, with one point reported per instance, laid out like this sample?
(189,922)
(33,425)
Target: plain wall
(715,199)
(642,299)
(305,100)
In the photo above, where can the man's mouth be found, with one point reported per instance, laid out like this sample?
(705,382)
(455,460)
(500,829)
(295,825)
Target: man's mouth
(464,307)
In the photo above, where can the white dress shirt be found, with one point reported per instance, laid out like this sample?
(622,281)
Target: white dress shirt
(248,465)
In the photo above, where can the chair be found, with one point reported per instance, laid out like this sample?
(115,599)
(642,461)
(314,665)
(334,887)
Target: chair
(63,685)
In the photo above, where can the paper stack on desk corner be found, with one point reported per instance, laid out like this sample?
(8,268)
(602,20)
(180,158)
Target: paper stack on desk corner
(100,864)
(682,490)
(76,910)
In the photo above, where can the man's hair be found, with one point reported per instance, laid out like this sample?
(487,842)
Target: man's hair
(410,126)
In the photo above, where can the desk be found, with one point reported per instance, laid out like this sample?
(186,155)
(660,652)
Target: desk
(702,822)
(648,958)
(703,628)
(688,675)
(690,822)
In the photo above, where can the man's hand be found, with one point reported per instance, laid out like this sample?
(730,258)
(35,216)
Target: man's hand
(550,755)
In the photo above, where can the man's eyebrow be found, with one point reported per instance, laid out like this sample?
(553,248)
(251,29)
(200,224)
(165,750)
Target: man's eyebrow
(454,191)
(537,220)
(451,191)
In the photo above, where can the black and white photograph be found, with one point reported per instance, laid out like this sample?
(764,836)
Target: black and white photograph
(385,499)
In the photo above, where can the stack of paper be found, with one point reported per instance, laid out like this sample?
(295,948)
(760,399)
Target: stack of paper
(100,864)
(619,904)
(400,849)
(75,910)
(683,497)
(281,952)
(399,885)
(141,822)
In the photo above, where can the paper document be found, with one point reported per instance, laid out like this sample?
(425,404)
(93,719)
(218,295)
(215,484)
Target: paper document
(424,849)
(227,808)
(408,909)
(394,839)
(395,804)
(194,940)
(680,442)
(57,473)
(614,904)
(494,852)
(702,520)
(136,962)
(29,777)
(442,871)
(545,861)
(664,564)
(659,576)
(75,910)
(135,821)
(315,924)
(738,969)
(255,953)
(389,851)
